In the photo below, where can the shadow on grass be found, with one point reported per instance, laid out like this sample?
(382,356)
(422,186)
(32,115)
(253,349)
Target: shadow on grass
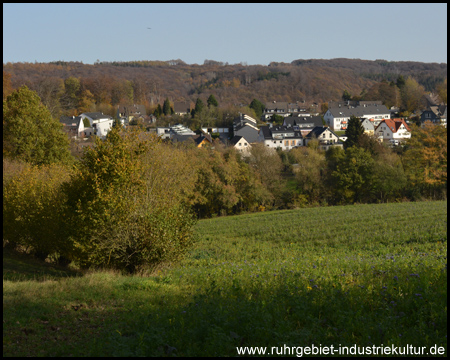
(145,317)
(23,267)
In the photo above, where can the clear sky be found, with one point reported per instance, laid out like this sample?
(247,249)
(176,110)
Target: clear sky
(251,33)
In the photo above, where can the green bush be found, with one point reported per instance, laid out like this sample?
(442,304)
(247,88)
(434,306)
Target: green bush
(123,210)
(32,208)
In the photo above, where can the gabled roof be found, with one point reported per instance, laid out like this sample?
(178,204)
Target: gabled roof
(394,124)
(236,139)
(432,99)
(319,130)
(368,124)
(250,132)
(199,138)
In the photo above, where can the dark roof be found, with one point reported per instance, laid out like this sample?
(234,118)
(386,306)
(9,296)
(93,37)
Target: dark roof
(267,134)
(199,138)
(250,133)
(235,139)
(359,111)
(318,130)
(97,115)
(287,132)
(70,120)
(303,121)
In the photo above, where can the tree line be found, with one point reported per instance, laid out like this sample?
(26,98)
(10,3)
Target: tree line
(69,88)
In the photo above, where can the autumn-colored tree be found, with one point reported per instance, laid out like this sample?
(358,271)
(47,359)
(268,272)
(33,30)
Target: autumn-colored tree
(7,87)
(309,173)
(225,184)
(50,90)
(442,91)
(412,94)
(86,102)
(122,92)
(123,208)
(387,93)
(32,209)
(268,164)
(29,131)
(425,160)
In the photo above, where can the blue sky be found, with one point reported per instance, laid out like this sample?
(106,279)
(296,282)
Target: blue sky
(233,33)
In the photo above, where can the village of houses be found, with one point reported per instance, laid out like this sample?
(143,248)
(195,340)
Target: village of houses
(299,127)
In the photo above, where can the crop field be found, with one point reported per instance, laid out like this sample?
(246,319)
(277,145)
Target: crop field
(345,275)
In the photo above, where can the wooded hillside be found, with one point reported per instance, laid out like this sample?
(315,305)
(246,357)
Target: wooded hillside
(151,82)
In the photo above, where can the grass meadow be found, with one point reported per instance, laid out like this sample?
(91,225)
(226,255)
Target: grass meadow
(361,274)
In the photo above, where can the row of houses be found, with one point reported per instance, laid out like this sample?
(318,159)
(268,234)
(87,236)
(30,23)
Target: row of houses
(295,132)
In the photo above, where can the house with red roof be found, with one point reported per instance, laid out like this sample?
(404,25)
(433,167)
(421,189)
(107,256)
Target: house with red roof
(392,130)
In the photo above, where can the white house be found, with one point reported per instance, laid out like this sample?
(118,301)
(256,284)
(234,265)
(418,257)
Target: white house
(337,117)
(280,137)
(100,123)
(325,136)
(283,109)
(392,130)
(241,144)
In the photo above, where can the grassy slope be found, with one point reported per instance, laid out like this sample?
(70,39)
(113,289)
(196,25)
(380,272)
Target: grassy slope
(367,274)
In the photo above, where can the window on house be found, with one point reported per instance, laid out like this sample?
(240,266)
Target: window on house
(324,135)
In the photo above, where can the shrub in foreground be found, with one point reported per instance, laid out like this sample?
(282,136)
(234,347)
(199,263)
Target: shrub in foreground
(115,214)
(32,208)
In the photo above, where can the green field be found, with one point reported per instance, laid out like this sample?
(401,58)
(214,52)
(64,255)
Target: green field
(362,274)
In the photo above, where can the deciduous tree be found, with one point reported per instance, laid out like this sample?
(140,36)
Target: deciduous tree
(29,131)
